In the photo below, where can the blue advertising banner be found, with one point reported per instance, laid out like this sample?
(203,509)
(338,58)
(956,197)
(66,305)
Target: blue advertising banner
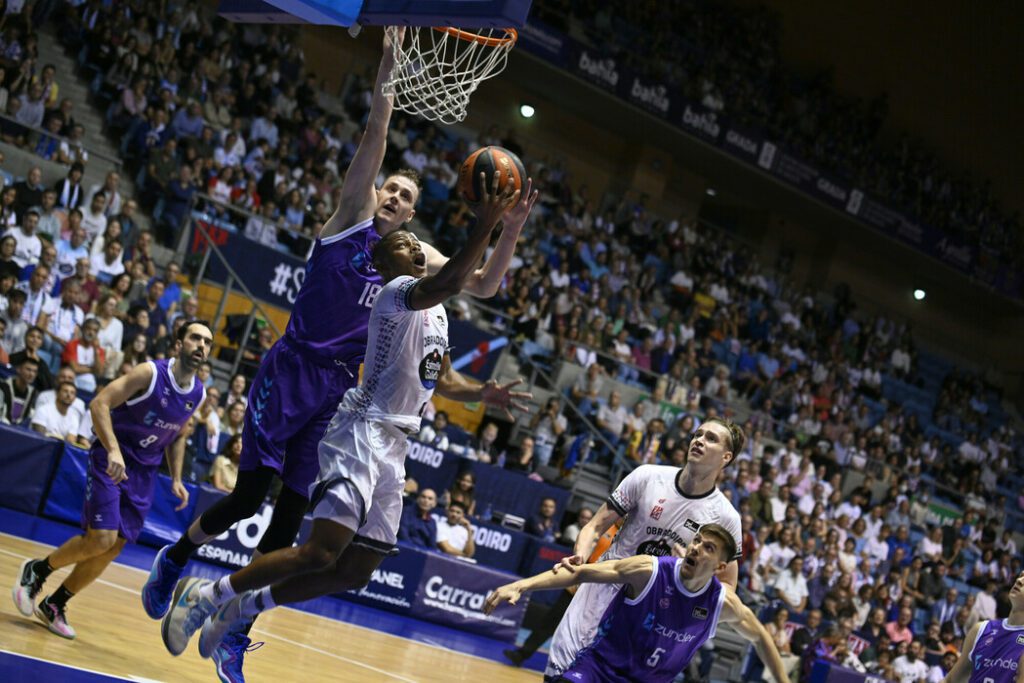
(273,276)
(538,557)
(67,495)
(27,460)
(393,585)
(499,547)
(452,592)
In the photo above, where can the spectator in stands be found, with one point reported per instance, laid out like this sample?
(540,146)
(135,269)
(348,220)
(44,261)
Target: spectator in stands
(8,266)
(418,527)
(13,339)
(33,106)
(899,631)
(178,199)
(58,419)
(94,217)
(646,447)
(463,490)
(542,524)
(807,634)
(111,333)
(454,532)
(86,357)
(237,391)
(63,324)
(910,667)
(523,459)
(108,265)
(69,190)
(157,315)
(29,192)
(830,646)
(224,471)
(434,433)
(571,532)
(19,393)
(234,420)
(47,258)
(69,251)
(547,426)
(485,447)
(28,246)
(791,586)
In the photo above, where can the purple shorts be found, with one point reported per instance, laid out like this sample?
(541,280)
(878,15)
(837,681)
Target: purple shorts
(291,402)
(586,670)
(122,507)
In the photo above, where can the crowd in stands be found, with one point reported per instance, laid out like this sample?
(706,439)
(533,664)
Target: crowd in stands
(727,56)
(854,437)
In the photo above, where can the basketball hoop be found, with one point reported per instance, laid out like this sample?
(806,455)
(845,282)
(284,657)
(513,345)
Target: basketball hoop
(438,68)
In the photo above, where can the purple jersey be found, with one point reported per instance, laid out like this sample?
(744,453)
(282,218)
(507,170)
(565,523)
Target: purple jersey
(996,652)
(146,424)
(653,636)
(331,315)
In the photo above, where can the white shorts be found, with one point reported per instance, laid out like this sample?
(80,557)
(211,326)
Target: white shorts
(362,476)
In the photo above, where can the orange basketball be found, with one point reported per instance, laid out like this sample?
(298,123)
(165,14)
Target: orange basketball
(487,160)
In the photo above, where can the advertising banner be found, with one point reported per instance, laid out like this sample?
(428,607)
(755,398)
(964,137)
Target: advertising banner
(27,460)
(452,592)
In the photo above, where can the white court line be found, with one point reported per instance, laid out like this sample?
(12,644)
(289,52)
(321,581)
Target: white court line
(424,643)
(266,633)
(72,666)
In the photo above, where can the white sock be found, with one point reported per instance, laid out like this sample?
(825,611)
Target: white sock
(254,602)
(218,592)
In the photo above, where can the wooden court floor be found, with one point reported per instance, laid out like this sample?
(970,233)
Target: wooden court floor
(116,637)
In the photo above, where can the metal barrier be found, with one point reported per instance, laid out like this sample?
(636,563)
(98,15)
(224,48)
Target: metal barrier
(114,160)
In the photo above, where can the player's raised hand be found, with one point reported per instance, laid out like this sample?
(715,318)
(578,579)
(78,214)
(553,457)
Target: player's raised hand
(509,593)
(181,493)
(495,200)
(516,216)
(569,563)
(503,398)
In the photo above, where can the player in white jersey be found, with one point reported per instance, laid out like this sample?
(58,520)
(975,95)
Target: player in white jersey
(357,500)
(663,508)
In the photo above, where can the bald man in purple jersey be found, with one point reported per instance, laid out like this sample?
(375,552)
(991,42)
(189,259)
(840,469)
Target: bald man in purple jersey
(304,376)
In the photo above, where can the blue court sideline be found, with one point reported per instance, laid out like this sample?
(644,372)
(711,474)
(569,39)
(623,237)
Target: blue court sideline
(19,668)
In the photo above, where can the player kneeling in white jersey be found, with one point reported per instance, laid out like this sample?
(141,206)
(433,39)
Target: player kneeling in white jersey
(357,500)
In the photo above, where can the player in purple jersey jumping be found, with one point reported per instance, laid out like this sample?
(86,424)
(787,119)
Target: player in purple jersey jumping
(995,648)
(665,610)
(304,376)
(138,419)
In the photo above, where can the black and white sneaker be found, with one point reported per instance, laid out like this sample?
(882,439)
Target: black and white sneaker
(28,587)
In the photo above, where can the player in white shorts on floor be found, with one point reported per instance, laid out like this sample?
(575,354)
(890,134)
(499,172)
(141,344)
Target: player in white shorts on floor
(663,507)
(357,500)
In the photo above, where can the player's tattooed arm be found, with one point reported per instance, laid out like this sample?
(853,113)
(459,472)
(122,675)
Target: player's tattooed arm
(110,397)
(457,387)
(484,281)
(358,194)
(745,622)
(634,571)
(961,671)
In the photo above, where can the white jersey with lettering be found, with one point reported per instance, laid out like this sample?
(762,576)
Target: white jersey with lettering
(403,358)
(657,514)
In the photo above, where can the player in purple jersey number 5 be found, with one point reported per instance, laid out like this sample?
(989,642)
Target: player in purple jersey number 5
(994,648)
(666,609)
(139,419)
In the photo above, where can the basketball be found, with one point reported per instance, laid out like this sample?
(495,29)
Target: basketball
(487,160)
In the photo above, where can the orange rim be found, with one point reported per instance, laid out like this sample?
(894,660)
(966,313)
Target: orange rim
(510,36)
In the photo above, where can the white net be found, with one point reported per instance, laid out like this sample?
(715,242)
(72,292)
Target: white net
(437,69)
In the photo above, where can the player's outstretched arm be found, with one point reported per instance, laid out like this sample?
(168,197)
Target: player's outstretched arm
(358,195)
(451,278)
(457,387)
(634,571)
(602,520)
(961,671)
(111,396)
(746,624)
(484,281)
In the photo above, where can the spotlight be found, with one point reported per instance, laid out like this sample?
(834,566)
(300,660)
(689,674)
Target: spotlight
(919,294)
(527,111)
(711,192)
